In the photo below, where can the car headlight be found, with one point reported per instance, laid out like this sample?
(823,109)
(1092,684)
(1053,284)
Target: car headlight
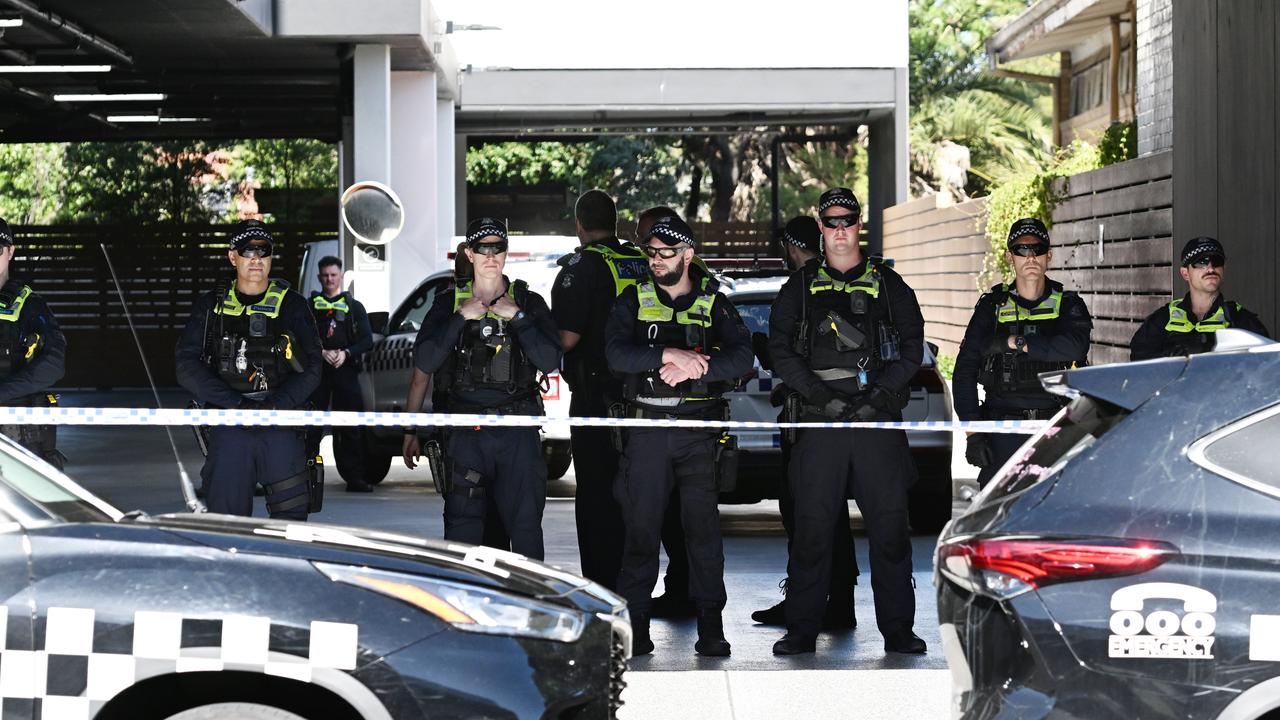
(467,607)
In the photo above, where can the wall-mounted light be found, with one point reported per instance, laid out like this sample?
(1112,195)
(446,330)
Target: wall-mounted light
(153,119)
(10,22)
(452,27)
(111,97)
(55,68)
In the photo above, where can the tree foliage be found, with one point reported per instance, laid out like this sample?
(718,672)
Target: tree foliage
(32,182)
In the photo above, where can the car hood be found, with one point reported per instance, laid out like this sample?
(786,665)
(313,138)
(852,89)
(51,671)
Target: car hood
(386,551)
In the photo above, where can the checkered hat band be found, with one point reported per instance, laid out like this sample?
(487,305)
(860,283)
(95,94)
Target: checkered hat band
(788,237)
(840,201)
(1202,251)
(250,234)
(672,233)
(5,238)
(484,232)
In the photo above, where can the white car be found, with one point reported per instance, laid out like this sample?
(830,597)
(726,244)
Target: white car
(388,367)
(760,454)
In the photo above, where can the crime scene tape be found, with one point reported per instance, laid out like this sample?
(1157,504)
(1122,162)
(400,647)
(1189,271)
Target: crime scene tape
(329,418)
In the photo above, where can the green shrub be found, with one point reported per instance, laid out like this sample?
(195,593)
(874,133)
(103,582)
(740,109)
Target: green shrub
(1119,143)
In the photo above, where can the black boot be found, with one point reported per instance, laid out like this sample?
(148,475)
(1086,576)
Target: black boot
(641,643)
(794,644)
(711,634)
(777,614)
(669,606)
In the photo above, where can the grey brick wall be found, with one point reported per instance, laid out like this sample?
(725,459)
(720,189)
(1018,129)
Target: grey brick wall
(1155,76)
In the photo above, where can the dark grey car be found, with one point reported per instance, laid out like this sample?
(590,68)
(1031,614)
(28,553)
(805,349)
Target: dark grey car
(1124,564)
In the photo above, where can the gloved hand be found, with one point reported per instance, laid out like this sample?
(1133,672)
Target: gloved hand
(837,408)
(977,451)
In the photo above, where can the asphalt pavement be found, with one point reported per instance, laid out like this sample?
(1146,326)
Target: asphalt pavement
(850,676)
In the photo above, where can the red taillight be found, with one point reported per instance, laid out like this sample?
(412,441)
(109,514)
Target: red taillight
(1025,563)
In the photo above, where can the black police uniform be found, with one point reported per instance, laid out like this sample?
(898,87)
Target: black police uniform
(644,321)
(1055,329)
(490,366)
(1174,329)
(862,342)
(32,358)
(253,352)
(343,324)
(584,293)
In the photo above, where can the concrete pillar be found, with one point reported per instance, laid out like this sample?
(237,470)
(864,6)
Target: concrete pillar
(460,184)
(446,186)
(371,138)
(888,168)
(414,176)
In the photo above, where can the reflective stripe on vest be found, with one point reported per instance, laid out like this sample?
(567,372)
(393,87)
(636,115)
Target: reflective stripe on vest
(652,309)
(320,302)
(465,292)
(11,311)
(868,283)
(622,265)
(1179,323)
(1048,309)
(269,305)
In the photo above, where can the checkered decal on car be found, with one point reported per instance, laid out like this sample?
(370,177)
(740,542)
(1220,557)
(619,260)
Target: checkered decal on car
(75,671)
(393,353)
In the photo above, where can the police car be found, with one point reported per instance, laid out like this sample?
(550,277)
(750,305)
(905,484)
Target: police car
(387,368)
(752,286)
(122,616)
(1123,564)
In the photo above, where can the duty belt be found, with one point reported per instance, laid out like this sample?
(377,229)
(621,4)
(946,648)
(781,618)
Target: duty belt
(712,412)
(835,374)
(523,406)
(1025,414)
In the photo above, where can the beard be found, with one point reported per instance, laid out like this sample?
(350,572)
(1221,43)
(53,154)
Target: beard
(670,278)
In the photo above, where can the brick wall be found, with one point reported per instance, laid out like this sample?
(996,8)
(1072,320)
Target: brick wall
(1155,76)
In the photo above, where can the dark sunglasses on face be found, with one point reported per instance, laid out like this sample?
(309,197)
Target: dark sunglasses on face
(255,251)
(1205,263)
(839,221)
(1030,249)
(490,248)
(666,253)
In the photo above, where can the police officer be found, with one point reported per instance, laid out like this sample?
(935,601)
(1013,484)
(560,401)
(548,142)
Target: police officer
(679,344)
(252,344)
(581,298)
(1017,332)
(861,341)
(32,355)
(1186,326)
(491,337)
(802,250)
(345,335)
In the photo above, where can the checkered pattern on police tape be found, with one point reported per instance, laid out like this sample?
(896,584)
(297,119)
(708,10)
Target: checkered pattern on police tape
(77,670)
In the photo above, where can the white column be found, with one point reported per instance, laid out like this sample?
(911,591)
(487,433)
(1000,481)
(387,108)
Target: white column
(371,131)
(446,188)
(414,175)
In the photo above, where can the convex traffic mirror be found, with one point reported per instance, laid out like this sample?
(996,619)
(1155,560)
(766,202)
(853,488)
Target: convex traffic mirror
(372,212)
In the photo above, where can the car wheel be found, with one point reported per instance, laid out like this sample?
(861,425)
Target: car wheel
(559,457)
(377,463)
(235,711)
(929,502)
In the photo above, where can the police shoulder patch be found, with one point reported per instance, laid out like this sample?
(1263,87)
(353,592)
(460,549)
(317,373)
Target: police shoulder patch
(566,281)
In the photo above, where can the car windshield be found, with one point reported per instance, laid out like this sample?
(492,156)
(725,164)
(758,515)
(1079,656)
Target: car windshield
(755,314)
(62,499)
(1077,427)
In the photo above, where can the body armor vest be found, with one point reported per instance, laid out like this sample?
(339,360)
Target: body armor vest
(627,266)
(488,355)
(1184,337)
(250,352)
(15,350)
(660,325)
(844,321)
(333,321)
(1011,372)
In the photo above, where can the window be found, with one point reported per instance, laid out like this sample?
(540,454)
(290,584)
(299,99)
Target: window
(27,482)
(409,316)
(755,315)
(1244,451)
(1085,420)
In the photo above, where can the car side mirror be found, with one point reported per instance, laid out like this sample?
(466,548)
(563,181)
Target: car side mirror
(378,321)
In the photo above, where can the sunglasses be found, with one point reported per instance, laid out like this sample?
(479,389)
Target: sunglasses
(1029,250)
(255,251)
(839,221)
(666,253)
(490,248)
(1209,262)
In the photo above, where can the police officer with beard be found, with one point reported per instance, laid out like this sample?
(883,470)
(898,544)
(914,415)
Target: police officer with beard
(32,355)
(252,345)
(490,337)
(1017,332)
(802,247)
(1186,326)
(679,344)
(345,335)
(860,341)
(583,294)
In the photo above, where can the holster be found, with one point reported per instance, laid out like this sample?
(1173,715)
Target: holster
(791,408)
(726,463)
(440,477)
(617,433)
(200,431)
(315,484)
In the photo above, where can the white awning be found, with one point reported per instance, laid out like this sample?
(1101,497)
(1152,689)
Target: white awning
(1052,26)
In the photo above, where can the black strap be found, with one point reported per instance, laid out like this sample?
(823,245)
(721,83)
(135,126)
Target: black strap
(293,503)
(292,481)
(475,489)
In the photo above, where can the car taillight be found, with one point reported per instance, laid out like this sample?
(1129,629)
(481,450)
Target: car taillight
(1005,567)
(929,379)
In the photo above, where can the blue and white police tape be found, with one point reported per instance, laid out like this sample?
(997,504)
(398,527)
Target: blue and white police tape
(327,418)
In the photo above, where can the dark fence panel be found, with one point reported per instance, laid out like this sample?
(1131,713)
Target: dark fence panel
(162,268)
